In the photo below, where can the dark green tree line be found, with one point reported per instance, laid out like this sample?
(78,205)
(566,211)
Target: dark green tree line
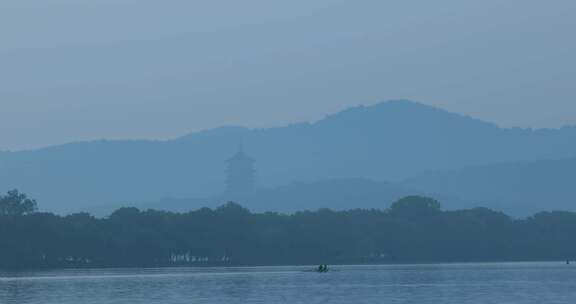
(413,229)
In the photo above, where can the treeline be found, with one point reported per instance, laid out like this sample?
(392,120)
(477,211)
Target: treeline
(413,229)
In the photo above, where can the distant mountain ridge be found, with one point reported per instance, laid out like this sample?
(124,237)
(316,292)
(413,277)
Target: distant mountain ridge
(515,187)
(389,141)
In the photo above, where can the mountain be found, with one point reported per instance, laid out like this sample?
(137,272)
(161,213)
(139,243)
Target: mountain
(389,141)
(519,188)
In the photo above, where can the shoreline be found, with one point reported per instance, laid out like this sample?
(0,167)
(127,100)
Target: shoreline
(251,266)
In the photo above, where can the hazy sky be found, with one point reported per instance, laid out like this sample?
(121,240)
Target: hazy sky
(88,69)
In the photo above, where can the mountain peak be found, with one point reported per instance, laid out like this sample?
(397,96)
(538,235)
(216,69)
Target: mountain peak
(390,140)
(403,112)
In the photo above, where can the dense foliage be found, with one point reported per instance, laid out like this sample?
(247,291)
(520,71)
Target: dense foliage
(414,229)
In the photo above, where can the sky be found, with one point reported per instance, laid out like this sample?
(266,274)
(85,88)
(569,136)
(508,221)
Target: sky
(73,70)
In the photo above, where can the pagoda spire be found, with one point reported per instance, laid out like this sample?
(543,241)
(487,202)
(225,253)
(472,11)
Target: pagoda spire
(240,180)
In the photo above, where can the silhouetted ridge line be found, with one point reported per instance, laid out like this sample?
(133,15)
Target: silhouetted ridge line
(386,142)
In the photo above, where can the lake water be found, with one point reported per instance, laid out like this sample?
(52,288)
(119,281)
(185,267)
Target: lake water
(444,283)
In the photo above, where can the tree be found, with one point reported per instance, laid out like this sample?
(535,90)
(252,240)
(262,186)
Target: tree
(414,207)
(16,203)
(414,229)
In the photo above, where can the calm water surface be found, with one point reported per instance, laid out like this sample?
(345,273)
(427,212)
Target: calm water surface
(448,283)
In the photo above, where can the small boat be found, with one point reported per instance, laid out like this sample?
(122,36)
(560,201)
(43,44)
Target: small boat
(322,268)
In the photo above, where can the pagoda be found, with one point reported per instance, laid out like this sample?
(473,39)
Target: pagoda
(240,172)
